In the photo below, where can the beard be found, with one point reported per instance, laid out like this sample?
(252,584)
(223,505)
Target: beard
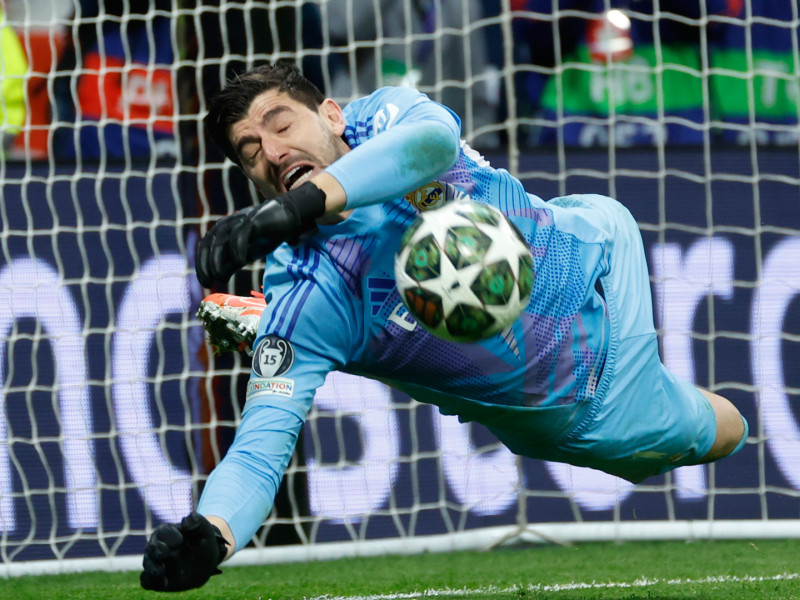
(331,148)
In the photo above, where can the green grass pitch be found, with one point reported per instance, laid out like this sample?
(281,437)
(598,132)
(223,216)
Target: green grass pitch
(724,570)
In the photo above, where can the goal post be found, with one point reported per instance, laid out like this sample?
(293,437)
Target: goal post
(114,410)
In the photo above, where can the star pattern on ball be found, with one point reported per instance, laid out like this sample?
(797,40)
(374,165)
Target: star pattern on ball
(464,260)
(453,285)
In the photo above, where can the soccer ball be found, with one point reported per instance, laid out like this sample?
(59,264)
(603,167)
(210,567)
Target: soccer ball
(464,271)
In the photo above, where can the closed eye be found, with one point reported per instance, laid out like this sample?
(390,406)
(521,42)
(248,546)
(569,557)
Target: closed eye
(250,152)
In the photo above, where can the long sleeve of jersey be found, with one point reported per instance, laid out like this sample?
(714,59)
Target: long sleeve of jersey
(242,489)
(306,331)
(400,140)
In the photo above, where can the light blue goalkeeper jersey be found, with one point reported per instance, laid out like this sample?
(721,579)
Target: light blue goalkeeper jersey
(332,304)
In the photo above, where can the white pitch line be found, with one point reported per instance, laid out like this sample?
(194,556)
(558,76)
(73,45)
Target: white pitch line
(562,587)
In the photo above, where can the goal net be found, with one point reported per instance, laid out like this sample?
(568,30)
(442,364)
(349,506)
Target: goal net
(114,411)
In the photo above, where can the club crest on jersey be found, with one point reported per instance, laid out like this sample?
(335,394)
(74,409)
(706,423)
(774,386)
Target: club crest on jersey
(432,195)
(273,356)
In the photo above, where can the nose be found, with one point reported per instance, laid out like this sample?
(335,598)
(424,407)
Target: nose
(274,151)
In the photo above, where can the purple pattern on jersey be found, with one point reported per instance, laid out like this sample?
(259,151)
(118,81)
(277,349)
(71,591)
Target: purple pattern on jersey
(540,216)
(490,370)
(349,256)
(553,358)
(358,133)
(550,355)
(409,353)
(551,363)
(461,173)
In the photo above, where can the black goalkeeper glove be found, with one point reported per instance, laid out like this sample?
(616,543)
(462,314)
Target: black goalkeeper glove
(214,260)
(239,239)
(285,218)
(182,556)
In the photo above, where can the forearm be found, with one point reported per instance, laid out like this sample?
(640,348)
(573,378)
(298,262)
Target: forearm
(240,492)
(335,196)
(391,164)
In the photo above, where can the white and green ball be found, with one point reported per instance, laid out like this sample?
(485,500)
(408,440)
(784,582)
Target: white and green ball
(464,271)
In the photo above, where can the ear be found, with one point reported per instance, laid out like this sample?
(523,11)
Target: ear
(331,113)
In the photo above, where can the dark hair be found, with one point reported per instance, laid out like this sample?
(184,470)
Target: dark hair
(233,101)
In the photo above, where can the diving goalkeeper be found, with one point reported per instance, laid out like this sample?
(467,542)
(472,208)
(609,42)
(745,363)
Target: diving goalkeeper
(577,379)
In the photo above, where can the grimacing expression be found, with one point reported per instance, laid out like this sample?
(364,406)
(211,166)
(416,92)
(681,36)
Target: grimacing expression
(282,142)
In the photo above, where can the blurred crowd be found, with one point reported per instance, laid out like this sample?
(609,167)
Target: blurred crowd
(716,70)
(127,78)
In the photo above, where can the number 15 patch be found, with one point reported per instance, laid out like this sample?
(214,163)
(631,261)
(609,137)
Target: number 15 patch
(273,356)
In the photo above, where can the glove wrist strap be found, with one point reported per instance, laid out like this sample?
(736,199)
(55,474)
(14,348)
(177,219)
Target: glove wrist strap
(222,544)
(309,202)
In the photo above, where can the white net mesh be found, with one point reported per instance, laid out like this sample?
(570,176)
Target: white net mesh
(113,409)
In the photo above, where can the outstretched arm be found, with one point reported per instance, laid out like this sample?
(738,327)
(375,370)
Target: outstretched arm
(411,141)
(237,498)
(241,490)
(399,140)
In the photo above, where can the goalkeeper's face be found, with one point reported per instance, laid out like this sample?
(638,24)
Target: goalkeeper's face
(282,143)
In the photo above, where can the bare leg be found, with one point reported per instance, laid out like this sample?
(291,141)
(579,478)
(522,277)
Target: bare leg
(730,427)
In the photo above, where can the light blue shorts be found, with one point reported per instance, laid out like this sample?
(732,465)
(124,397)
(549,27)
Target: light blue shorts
(643,420)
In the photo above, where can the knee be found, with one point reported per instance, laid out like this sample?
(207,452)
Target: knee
(730,427)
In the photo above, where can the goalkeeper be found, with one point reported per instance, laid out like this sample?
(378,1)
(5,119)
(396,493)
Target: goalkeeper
(577,379)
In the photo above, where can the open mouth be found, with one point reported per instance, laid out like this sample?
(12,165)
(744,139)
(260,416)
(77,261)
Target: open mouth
(297,176)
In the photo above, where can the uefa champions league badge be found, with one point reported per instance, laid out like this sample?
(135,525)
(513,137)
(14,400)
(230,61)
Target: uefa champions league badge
(273,356)
(433,195)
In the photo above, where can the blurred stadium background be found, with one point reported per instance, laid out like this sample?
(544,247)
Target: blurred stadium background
(113,410)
